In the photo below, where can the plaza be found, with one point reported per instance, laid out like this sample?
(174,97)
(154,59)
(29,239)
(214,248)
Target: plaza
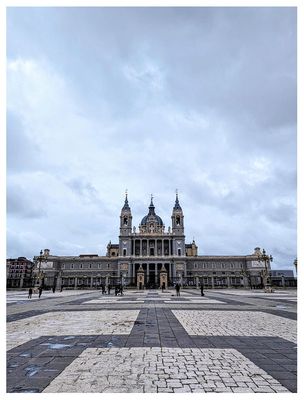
(152,341)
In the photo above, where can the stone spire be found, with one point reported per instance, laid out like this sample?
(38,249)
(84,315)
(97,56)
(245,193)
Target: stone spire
(151,207)
(126,205)
(177,205)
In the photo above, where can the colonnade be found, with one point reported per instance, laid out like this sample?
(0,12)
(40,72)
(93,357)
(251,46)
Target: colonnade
(161,247)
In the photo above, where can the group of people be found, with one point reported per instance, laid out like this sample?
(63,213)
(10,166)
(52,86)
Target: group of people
(30,292)
(178,287)
(118,289)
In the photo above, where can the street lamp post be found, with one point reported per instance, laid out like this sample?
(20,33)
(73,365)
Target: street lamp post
(295,263)
(40,258)
(265,272)
(202,286)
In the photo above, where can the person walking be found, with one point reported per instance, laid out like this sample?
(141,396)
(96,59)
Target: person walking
(30,293)
(109,289)
(163,287)
(40,292)
(202,289)
(177,288)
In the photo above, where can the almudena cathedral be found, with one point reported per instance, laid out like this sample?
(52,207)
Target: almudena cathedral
(144,256)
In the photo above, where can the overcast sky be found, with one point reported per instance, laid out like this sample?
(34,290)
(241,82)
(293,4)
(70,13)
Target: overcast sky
(152,99)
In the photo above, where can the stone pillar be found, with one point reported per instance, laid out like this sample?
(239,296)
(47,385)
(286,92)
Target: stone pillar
(156,271)
(21,281)
(228,282)
(140,247)
(140,278)
(162,248)
(91,282)
(173,271)
(163,277)
(75,282)
(212,281)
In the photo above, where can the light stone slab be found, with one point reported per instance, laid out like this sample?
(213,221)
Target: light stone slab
(236,323)
(100,322)
(117,301)
(101,370)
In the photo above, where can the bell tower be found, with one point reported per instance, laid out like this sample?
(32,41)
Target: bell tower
(178,229)
(125,218)
(177,218)
(125,229)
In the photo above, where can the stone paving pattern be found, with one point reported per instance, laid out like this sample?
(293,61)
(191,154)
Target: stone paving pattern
(227,341)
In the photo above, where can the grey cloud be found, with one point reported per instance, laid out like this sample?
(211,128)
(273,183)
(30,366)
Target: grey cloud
(83,188)
(22,154)
(20,204)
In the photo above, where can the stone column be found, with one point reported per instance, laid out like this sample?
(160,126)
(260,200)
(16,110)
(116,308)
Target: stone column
(163,277)
(212,281)
(140,278)
(75,282)
(140,247)
(173,271)
(156,271)
(91,283)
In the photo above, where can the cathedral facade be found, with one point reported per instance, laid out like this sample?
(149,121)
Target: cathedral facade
(151,251)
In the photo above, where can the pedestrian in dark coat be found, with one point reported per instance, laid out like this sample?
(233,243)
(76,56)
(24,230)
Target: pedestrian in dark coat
(30,293)
(177,288)
(202,290)
(40,292)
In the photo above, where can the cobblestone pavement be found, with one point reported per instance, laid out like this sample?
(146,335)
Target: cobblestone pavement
(149,341)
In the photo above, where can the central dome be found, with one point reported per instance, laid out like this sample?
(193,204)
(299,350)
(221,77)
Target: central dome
(151,216)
